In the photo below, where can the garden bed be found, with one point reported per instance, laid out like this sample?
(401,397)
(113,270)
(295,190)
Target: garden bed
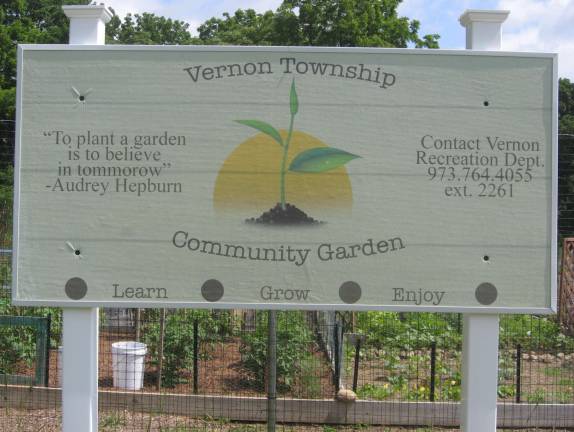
(221,371)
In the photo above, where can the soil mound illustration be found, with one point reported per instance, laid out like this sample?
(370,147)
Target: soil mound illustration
(287,215)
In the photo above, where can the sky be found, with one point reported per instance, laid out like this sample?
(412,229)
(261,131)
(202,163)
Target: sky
(533,25)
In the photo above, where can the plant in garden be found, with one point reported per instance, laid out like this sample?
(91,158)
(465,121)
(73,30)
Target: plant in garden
(309,380)
(315,160)
(293,343)
(18,343)
(506,368)
(538,396)
(409,331)
(178,339)
(177,348)
(506,391)
(449,387)
(534,333)
(376,392)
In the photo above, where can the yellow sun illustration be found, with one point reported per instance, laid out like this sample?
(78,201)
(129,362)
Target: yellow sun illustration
(249,179)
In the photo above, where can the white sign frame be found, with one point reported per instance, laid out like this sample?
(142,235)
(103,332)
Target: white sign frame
(552,306)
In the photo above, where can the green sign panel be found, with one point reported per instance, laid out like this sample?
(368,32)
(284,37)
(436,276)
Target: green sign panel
(286,177)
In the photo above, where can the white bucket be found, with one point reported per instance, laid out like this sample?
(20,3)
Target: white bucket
(128,364)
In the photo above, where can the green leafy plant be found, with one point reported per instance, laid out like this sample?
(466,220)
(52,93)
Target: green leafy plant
(18,343)
(506,391)
(315,160)
(534,333)
(408,331)
(376,392)
(178,339)
(293,343)
(449,384)
(506,368)
(538,396)
(310,381)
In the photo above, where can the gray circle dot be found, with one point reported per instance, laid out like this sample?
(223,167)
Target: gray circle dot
(76,288)
(486,293)
(350,292)
(212,290)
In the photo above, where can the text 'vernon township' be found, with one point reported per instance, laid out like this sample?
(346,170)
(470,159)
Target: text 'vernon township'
(375,74)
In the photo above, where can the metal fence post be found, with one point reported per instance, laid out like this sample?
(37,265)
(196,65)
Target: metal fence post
(518,372)
(356,369)
(138,323)
(432,371)
(48,337)
(195,356)
(337,373)
(160,348)
(272,371)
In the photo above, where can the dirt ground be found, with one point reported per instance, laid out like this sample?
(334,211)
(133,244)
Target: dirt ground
(50,421)
(220,372)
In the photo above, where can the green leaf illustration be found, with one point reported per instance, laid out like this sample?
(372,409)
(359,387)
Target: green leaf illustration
(293,99)
(266,128)
(320,159)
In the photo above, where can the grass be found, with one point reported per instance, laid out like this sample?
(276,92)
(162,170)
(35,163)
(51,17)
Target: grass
(553,371)
(538,396)
(112,421)
(565,397)
(567,382)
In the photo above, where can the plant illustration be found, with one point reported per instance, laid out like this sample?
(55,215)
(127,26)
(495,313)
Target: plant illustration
(314,160)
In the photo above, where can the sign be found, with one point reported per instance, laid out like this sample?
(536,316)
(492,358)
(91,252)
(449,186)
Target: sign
(286,178)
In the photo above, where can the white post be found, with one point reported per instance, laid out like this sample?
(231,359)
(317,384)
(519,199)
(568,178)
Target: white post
(81,332)
(87,24)
(480,335)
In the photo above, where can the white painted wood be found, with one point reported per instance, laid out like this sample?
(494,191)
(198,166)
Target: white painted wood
(81,326)
(80,370)
(87,23)
(480,335)
(265,49)
(483,28)
(479,373)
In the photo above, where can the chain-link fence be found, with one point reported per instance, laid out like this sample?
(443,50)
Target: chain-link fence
(190,370)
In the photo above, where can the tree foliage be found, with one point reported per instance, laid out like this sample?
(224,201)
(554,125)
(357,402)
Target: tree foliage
(26,21)
(296,22)
(566,157)
(29,21)
(344,23)
(566,106)
(44,22)
(148,29)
